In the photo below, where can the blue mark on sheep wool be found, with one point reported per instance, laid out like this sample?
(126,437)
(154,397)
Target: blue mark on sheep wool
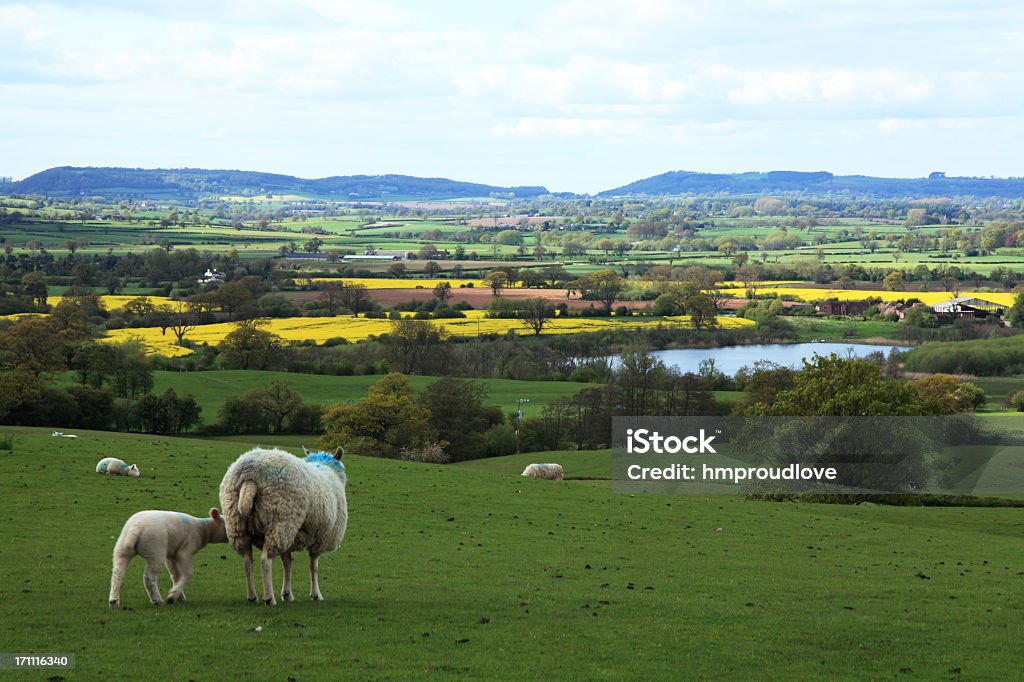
(323,458)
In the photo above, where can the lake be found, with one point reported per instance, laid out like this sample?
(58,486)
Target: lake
(729,360)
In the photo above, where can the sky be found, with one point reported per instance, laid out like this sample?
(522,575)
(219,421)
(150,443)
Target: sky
(579,95)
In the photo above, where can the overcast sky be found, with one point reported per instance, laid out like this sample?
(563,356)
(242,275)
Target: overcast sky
(582,95)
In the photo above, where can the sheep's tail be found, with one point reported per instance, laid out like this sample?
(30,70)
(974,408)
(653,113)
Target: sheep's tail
(246,498)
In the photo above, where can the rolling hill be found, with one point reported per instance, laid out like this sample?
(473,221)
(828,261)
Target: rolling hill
(821,182)
(198,183)
(191,184)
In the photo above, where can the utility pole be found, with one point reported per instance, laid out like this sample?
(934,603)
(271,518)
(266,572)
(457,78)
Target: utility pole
(519,419)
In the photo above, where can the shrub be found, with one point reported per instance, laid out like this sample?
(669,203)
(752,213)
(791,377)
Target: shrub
(336,341)
(430,453)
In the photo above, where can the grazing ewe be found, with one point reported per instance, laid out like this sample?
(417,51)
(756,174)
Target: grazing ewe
(283,504)
(116,467)
(552,472)
(159,537)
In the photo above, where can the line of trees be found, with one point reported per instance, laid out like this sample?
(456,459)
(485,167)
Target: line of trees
(112,387)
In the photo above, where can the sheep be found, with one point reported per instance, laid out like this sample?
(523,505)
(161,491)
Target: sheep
(552,472)
(283,504)
(159,537)
(116,467)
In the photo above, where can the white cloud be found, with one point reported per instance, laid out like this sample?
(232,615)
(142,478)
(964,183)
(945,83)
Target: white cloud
(608,130)
(873,87)
(713,78)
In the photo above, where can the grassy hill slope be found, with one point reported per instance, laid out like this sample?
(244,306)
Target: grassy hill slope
(456,571)
(191,183)
(212,388)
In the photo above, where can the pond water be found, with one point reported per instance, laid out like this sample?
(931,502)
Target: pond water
(729,360)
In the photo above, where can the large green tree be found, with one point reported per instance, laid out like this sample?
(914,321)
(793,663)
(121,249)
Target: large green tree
(411,344)
(601,285)
(33,345)
(701,310)
(832,386)
(277,400)
(249,347)
(382,424)
(33,285)
(460,415)
(535,313)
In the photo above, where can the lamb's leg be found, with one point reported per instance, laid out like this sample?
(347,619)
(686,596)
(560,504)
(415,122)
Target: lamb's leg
(150,577)
(117,577)
(286,586)
(267,569)
(172,568)
(182,575)
(250,585)
(314,583)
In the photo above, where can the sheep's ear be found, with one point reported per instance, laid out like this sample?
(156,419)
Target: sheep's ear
(214,513)
(339,452)
(304,450)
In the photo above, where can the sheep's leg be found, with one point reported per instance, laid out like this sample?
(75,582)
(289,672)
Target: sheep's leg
(267,569)
(182,575)
(117,577)
(172,568)
(314,582)
(149,579)
(250,585)
(286,586)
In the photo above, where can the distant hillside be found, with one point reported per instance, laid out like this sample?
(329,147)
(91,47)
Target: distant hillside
(197,183)
(189,184)
(822,182)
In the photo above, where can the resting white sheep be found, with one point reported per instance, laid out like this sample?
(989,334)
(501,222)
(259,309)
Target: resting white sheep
(116,467)
(163,537)
(552,472)
(283,504)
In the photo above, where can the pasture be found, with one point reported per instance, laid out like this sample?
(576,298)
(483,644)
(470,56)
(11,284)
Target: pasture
(476,572)
(212,388)
(836,243)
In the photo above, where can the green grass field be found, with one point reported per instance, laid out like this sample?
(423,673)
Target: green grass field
(212,388)
(833,328)
(405,233)
(473,571)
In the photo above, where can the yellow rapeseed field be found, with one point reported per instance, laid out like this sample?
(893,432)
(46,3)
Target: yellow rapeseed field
(109,302)
(928,298)
(320,329)
(114,302)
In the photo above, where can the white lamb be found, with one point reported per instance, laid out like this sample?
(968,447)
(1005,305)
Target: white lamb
(159,537)
(552,472)
(116,467)
(283,504)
